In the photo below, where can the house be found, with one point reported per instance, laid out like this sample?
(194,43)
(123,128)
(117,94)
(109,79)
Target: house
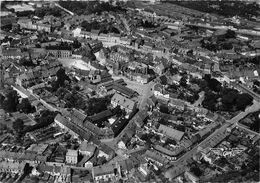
(26,79)
(55,170)
(127,104)
(12,167)
(43,27)
(155,157)
(170,154)
(143,168)
(140,118)
(177,103)
(26,23)
(123,90)
(160,68)
(171,132)
(87,149)
(96,76)
(95,45)
(60,53)
(148,46)
(13,53)
(160,93)
(72,156)
(105,172)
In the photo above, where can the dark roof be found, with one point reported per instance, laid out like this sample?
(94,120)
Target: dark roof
(119,125)
(100,116)
(124,90)
(163,80)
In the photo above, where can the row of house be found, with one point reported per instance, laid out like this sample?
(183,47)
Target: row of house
(37,74)
(27,23)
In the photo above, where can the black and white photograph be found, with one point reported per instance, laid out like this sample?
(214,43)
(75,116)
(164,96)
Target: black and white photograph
(130,91)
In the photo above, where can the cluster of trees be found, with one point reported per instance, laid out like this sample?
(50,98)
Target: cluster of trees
(45,119)
(221,42)
(91,106)
(61,46)
(190,98)
(89,7)
(10,101)
(227,100)
(104,28)
(6,39)
(222,98)
(254,60)
(26,62)
(148,24)
(254,125)
(150,138)
(60,81)
(225,8)
(45,11)
(72,99)
(88,26)
(25,106)
(96,105)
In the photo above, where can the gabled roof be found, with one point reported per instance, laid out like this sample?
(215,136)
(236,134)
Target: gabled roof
(103,170)
(123,101)
(171,132)
(100,116)
(124,90)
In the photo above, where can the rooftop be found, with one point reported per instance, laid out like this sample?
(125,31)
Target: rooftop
(173,133)
(123,101)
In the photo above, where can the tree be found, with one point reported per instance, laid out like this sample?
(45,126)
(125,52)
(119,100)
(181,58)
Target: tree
(61,77)
(183,81)
(243,100)
(164,109)
(209,101)
(102,160)
(11,101)
(18,125)
(230,34)
(25,106)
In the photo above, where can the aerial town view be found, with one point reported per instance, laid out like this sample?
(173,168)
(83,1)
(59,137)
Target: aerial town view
(130,91)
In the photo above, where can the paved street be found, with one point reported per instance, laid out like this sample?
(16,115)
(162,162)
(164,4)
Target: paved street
(218,133)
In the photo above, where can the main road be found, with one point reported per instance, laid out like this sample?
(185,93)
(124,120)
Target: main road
(218,134)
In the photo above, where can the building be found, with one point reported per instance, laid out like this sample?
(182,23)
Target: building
(26,23)
(160,68)
(105,172)
(26,79)
(12,167)
(127,104)
(123,90)
(87,148)
(177,103)
(28,157)
(43,27)
(72,156)
(61,53)
(156,158)
(13,53)
(170,132)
